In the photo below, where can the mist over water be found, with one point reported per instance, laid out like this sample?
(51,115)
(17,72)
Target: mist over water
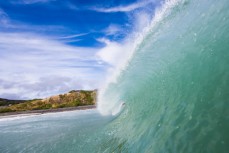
(174,86)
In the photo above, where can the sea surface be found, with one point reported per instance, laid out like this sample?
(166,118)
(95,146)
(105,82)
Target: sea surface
(61,132)
(171,97)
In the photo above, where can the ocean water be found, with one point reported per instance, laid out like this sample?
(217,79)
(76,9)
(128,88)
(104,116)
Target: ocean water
(62,132)
(171,97)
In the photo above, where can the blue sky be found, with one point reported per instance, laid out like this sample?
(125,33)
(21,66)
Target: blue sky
(53,46)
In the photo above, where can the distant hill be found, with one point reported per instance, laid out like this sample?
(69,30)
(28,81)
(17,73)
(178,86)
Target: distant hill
(7,102)
(73,98)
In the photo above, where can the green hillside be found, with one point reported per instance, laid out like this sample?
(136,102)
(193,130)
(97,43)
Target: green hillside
(72,99)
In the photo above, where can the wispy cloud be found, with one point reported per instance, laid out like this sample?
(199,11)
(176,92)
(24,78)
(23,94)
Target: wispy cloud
(73,36)
(6,23)
(37,66)
(126,8)
(112,29)
(3,17)
(30,1)
(2,12)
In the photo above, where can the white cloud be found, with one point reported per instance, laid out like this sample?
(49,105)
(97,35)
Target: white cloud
(112,29)
(34,66)
(127,8)
(73,36)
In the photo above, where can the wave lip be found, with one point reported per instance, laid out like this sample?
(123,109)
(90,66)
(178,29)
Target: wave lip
(108,100)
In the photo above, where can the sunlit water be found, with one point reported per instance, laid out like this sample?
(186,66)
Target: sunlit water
(73,131)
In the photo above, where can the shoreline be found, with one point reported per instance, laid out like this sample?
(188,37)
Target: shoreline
(45,111)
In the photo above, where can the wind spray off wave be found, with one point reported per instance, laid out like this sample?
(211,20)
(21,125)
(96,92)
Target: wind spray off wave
(108,103)
(175,83)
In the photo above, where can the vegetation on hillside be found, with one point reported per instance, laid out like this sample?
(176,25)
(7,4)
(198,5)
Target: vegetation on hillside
(72,99)
(7,102)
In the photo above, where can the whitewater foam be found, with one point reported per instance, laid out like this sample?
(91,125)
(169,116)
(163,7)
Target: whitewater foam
(108,104)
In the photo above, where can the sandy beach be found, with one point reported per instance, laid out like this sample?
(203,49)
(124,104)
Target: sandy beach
(38,112)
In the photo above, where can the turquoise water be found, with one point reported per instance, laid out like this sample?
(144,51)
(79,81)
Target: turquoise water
(63,132)
(176,86)
(175,89)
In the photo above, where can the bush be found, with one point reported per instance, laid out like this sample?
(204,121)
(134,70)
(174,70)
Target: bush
(5,110)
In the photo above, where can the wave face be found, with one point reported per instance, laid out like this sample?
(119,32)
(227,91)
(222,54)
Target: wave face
(176,85)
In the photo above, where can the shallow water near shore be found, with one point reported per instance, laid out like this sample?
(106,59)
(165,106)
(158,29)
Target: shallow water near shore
(71,131)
